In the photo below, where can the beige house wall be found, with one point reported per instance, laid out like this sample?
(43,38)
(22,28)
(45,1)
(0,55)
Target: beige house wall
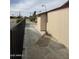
(57,25)
(58,22)
(38,25)
(43,22)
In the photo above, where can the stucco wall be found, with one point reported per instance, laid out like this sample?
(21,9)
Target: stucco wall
(38,25)
(43,22)
(58,25)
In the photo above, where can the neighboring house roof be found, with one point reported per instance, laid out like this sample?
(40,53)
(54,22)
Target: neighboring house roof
(65,5)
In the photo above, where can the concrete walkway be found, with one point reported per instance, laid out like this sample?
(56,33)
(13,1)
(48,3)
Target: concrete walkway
(41,47)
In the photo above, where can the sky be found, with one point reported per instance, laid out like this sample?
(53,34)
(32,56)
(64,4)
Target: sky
(27,7)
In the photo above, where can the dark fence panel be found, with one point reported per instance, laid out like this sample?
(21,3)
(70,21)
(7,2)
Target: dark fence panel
(16,40)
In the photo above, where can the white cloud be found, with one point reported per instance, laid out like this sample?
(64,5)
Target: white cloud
(20,6)
(32,5)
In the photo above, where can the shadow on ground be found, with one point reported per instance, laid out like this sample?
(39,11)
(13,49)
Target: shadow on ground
(45,48)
